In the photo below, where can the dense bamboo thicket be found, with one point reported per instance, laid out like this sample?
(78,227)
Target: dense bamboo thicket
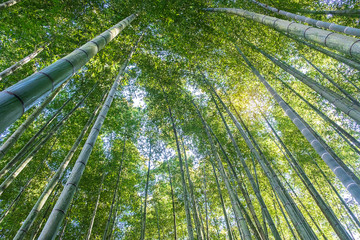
(180,119)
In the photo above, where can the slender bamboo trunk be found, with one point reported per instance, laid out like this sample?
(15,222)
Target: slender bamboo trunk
(302,204)
(32,152)
(23,188)
(15,100)
(332,81)
(250,177)
(240,221)
(8,3)
(323,116)
(341,43)
(345,12)
(54,180)
(326,210)
(343,175)
(349,81)
(296,216)
(157,220)
(284,215)
(186,197)
(88,235)
(106,231)
(192,196)
(351,109)
(20,63)
(333,55)
(143,222)
(20,130)
(51,202)
(172,200)
(313,22)
(205,203)
(337,194)
(228,227)
(58,213)
(244,193)
(12,176)
(22,152)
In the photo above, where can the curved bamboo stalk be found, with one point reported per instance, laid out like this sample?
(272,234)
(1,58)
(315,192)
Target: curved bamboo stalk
(345,12)
(327,119)
(342,175)
(20,130)
(313,22)
(326,209)
(58,213)
(20,63)
(351,109)
(54,181)
(341,43)
(22,152)
(333,55)
(15,100)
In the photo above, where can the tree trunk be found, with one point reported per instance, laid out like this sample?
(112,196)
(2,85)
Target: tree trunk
(240,221)
(333,55)
(143,222)
(186,197)
(58,213)
(296,216)
(54,180)
(15,100)
(345,12)
(332,81)
(172,200)
(341,43)
(244,193)
(228,227)
(107,228)
(205,203)
(326,210)
(313,22)
(343,176)
(96,207)
(157,220)
(251,179)
(326,118)
(33,151)
(20,130)
(20,63)
(192,196)
(340,102)
(22,152)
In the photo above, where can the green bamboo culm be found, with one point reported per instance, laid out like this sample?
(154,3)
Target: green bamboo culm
(311,21)
(338,170)
(58,213)
(341,43)
(15,100)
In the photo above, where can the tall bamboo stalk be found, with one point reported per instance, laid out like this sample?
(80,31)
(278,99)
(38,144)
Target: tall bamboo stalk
(21,129)
(341,43)
(108,229)
(338,170)
(20,63)
(186,197)
(15,100)
(58,213)
(143,220)
(311,21)
(54,180)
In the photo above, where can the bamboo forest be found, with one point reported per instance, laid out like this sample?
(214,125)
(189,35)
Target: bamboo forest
(180,119)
